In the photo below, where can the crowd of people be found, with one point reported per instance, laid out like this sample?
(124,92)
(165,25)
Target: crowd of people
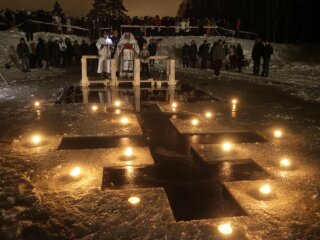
(227,57)
(61,23)
(53,53)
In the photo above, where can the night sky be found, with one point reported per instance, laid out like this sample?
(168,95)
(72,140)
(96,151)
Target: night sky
(82,7)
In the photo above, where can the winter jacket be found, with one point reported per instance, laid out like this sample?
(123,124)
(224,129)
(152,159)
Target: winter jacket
(204,50)
(193,51)
(23,50)
(240,53)
(84,48)
(41,49)
(257,51)
(219,52)
(62,46)
(268,51)
(76,49)
(144,56)
(185,51)
(152,49)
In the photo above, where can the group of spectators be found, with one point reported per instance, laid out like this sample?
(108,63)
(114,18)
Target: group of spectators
(23,20)
(227,57)
(170,26)
(56,53)
(220,55)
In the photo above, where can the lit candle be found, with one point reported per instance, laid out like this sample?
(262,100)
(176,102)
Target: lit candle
(225,229)
(134,200)
(234,101)
(36,139)
(265,189)
(285,163)
(37,104)
(75,172)
(277,134)
(94,108)
(124,120)
(174,105)
(208,115)
(195,122)
(128,152)
(118,111)
(227,147)
(117,103)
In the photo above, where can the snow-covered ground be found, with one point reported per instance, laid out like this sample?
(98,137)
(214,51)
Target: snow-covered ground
(294,69)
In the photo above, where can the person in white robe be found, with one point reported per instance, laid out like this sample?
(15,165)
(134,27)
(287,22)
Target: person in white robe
(105,48)
(127,50)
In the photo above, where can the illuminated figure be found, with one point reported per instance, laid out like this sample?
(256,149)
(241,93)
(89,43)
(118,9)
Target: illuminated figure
(105,48)
(126,52)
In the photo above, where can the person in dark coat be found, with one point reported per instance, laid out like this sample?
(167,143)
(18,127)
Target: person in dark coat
(193,49)
(268,51)
(76,52)
(24,53)
(152,47)
(68,52)
(93,50)
(49,53)
(144,59)
(141,41)
(257,53)
(219,54)
(204,54)
(240,57)
(211,57)
(185,55)
(84,48)
(40,52)
(56,53)
(28,29)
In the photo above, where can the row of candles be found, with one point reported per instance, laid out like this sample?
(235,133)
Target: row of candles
(225,228)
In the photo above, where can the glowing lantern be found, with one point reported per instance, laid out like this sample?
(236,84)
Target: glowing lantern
(134,200)
(36,139)
(265,189)
(277,134)
(128,152)
(225,229)
(195,122)
(75,172)
(37,104)
(227,147)
(124,120)
(117,103)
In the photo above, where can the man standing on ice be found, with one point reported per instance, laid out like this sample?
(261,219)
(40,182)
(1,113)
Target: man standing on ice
(219,54)
(268,51)
(24,53)
(105,48)
(126,51)
(257,53)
